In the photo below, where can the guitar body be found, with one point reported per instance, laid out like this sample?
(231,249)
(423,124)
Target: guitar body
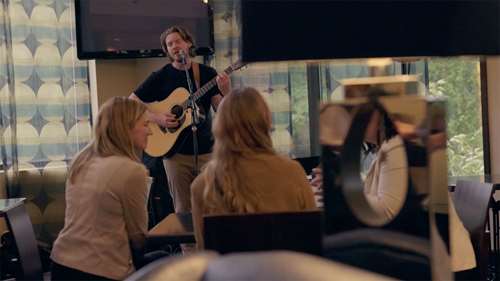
(164,141)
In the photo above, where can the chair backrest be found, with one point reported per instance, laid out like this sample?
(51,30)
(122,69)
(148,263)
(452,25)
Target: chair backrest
(296,231)
(390,253)
(21,228)
(471,200)
(282,265)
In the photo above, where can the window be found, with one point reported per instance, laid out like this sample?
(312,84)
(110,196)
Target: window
(458,79)
(294,90)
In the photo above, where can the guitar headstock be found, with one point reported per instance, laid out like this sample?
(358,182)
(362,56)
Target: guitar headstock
(235,66)
(239,65)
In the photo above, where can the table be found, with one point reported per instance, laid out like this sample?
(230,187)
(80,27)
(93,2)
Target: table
(175,228)
(8,204)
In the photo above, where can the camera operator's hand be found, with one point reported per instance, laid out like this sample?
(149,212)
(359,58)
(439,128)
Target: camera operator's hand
(317,185)
(223,83)
(317,178)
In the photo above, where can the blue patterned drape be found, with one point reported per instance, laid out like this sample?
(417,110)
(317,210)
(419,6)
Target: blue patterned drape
(271,79)
(45,105)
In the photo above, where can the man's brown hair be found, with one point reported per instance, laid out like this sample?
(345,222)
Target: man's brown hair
(184,33)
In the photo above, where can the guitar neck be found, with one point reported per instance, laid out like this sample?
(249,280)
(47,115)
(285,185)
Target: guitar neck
(209,85)
(203,90)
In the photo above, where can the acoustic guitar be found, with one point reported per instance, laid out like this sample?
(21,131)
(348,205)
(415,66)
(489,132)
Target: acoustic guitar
(165,141)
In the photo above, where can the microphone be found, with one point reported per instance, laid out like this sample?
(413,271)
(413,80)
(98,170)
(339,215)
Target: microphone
(200,51)
(182,56)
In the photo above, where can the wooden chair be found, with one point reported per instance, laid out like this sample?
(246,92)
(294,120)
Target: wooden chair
(295,231)
(471,200)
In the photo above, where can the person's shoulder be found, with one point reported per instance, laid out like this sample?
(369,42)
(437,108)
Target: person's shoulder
(285,159)
(393,143)
(282,160)
(125,165)
(198,185)
(199,181)
(155,75)
(164,69)
(124,173)
(207,68)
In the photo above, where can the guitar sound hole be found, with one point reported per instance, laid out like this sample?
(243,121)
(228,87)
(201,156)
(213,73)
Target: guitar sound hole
(177,111)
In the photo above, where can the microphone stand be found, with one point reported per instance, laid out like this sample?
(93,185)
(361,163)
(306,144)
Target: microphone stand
(194,115)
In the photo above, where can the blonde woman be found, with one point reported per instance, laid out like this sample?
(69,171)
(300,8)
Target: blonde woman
(245,175)
(106,194)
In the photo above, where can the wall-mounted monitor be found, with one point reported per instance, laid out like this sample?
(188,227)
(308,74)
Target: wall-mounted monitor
(108,29)
(276,30)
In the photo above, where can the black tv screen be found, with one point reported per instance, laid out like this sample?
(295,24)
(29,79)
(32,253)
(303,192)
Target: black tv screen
(107,29)
(275,30)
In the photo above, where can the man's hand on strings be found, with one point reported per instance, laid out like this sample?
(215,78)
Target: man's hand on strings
(224,83)
(165,120)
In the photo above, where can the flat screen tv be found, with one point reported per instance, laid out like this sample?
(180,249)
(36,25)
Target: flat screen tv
(275,30)
(108,29)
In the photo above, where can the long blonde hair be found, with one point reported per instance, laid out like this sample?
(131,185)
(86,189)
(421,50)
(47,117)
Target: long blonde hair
(116,118)
(241,128)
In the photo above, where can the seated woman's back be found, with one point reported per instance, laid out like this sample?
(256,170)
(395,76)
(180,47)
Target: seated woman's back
(106,194)
(245,175)
(280,182)
(105,208)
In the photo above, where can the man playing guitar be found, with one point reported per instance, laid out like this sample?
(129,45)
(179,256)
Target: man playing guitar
(176,42)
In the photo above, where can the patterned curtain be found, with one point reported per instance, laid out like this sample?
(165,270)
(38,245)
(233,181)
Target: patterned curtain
(45,105)
(271,79)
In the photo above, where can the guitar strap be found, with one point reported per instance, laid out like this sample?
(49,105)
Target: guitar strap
(196,73)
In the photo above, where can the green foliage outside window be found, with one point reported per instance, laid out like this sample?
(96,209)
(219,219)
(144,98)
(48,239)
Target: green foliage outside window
(458,80)
(300,111)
